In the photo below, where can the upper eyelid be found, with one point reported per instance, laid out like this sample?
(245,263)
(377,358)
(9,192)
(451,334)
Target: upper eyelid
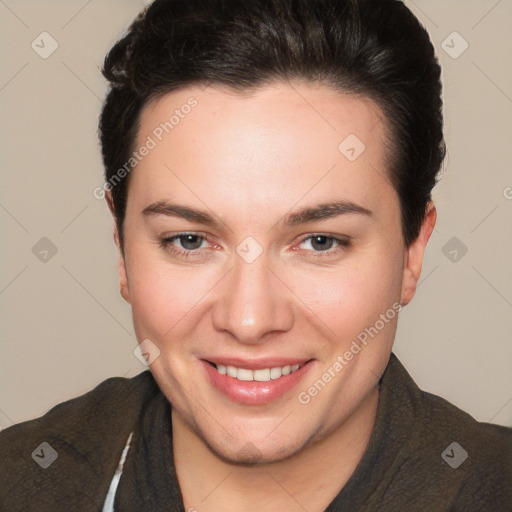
(207,237)
(341,241)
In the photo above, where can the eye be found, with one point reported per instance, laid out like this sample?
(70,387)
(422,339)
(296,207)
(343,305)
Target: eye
(323,244)
(188,241)
(190,244)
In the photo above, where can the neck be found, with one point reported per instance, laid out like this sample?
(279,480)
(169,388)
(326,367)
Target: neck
(310,479)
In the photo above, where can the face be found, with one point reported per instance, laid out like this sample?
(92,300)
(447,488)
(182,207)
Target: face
(261,246)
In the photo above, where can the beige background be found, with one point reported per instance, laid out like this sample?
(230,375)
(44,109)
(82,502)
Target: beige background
(65,327)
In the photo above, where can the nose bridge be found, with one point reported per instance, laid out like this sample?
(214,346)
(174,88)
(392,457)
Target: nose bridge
(253,301)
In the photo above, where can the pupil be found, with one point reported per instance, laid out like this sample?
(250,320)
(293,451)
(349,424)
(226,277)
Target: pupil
(189,239)
(322,246)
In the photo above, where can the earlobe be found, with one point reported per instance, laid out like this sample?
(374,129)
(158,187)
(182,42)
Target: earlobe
(121,263)
(414,256)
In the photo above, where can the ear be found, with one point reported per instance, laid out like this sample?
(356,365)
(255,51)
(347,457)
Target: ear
(414,256)
(121,263)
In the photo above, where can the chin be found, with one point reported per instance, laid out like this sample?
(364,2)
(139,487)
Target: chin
(251,453)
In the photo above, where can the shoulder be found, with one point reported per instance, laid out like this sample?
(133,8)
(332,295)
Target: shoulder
(478,435)
(108,399)
(486,444)
(64,456)
(437,418)
(477,455)
(466,463)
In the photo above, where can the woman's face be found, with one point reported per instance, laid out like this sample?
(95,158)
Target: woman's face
(224,275)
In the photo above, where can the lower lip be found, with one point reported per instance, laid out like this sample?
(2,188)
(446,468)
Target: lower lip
(254,392)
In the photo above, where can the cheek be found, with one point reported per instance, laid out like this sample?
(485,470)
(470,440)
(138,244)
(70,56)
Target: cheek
(168,300)
(163,296)
(348,298)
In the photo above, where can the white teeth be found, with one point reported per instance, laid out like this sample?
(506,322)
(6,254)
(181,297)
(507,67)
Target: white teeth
(275,373)
(263,375)
(243,374)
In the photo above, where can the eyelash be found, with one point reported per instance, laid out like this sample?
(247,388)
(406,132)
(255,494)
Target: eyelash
(166,243)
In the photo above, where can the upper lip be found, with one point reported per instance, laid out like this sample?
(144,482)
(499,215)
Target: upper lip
(257,364)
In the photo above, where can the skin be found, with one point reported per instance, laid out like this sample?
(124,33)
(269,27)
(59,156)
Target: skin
(249,160)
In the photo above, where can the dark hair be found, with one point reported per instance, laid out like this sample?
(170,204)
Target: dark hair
(376,48)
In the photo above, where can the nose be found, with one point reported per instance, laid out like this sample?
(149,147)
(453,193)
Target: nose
(253,302)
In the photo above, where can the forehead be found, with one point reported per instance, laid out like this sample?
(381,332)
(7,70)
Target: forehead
(303,107)
(276,144)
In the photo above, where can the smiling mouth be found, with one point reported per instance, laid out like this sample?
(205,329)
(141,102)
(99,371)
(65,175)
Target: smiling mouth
(260,375)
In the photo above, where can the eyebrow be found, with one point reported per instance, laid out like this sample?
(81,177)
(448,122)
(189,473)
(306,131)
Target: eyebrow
(316,213)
